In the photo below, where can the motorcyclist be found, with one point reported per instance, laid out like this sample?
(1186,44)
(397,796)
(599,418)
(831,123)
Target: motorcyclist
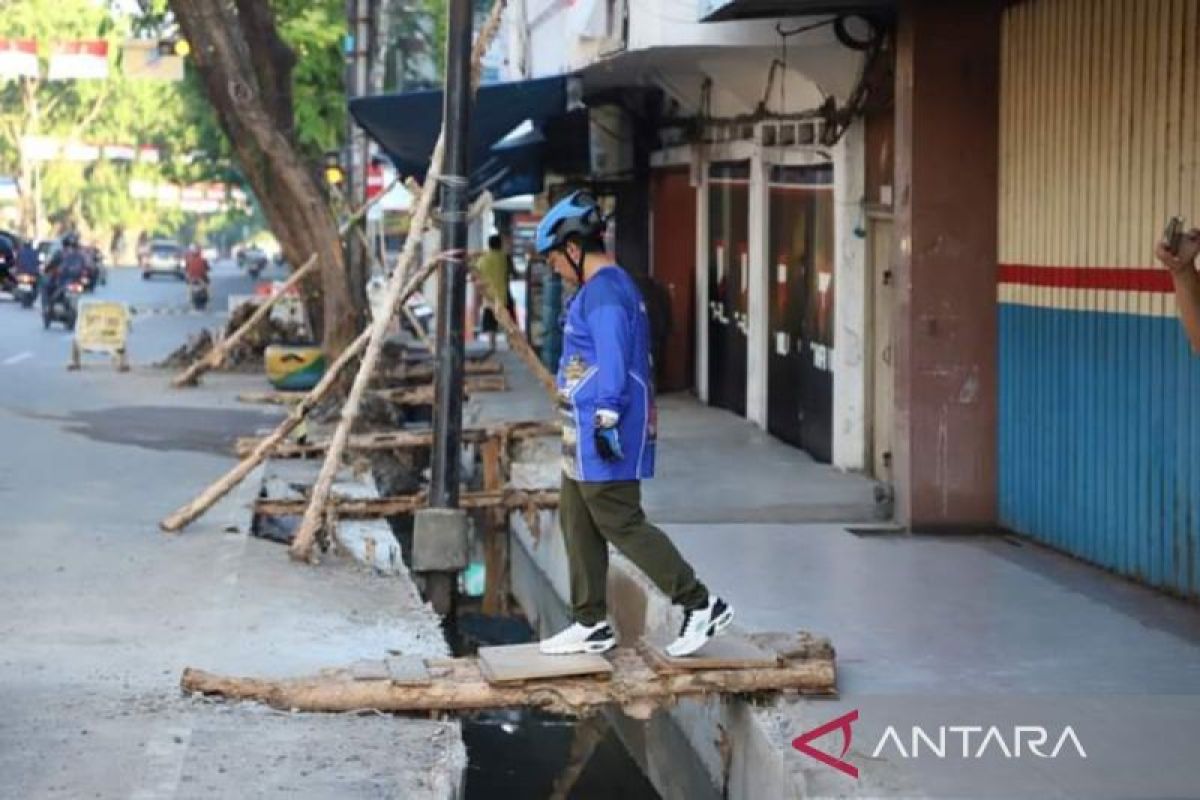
(66,266)
(195,266)
(27,259)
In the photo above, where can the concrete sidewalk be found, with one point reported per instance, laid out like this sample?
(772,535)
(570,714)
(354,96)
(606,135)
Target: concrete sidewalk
(102,612)
(929,630)
(744,474)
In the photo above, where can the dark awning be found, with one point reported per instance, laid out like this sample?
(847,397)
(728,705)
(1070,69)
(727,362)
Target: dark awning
(722,10)
(406,125)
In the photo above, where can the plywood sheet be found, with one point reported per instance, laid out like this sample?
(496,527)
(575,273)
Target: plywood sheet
(522,662)
(727,651)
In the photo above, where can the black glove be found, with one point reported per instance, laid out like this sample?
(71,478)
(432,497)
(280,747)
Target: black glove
(608,441)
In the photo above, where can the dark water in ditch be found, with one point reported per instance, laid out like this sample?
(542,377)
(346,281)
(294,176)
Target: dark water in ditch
(528,755)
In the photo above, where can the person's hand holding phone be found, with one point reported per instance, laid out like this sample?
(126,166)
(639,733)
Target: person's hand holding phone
(1177,250)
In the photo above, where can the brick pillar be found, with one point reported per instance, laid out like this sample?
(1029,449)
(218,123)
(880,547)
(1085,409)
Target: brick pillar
(947,150)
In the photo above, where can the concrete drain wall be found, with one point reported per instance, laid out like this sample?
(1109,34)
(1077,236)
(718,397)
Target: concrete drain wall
(717,747)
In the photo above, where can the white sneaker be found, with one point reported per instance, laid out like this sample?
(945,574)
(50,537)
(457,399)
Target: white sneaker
(700,625)
(598,638)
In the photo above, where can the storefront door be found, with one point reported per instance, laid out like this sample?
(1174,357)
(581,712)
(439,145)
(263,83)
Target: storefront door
(801,324)
(728,283)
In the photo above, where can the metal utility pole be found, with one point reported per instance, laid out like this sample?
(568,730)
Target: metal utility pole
(447,413)
(440,531)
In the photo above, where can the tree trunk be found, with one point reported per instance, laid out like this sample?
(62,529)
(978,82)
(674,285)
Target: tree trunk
(246,69)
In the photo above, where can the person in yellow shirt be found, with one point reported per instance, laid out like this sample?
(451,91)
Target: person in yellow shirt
(495,269)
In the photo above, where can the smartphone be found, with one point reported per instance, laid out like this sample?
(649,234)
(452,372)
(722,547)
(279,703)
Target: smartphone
(1172,234)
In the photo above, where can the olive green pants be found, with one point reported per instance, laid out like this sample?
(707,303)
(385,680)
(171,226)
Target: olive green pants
(596,514)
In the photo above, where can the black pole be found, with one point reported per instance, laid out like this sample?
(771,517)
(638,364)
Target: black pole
(452,287)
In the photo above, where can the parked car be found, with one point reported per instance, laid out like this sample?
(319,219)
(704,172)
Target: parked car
(164,258)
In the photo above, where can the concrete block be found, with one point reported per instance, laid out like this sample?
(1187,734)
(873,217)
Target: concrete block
(536,463)
(371,543)
(440,540)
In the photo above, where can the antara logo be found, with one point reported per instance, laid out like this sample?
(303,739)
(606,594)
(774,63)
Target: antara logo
(990,739)
(842,723)
(975,741)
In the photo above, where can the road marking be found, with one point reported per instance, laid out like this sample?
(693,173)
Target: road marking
(18,358)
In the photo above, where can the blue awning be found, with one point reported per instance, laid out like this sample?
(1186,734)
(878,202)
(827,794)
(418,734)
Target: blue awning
(406,126)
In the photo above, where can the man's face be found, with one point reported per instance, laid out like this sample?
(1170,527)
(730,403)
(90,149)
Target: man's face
(559,263)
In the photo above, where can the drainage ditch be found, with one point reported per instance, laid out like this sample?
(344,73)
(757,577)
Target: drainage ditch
(527,754)
(517,753)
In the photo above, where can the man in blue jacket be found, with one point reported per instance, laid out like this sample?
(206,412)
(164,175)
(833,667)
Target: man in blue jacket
(606,403)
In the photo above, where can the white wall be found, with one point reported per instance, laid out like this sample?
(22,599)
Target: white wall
(850,352)
(849,345)
(664,35)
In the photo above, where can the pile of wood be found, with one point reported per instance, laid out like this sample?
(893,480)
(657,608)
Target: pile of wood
(246,354)
(197,346)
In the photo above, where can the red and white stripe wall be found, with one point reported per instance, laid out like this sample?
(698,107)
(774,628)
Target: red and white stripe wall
(1099,393)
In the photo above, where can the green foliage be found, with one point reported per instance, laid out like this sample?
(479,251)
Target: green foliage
(173,116)
(315,29)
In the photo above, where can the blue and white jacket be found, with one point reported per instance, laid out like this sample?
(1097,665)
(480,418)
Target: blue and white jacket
(606,365)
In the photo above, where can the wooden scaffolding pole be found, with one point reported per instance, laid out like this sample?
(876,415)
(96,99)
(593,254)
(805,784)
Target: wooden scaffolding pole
(516,339)
(459,685)
(216,356)
(377,507)
(218,489)
(306,534)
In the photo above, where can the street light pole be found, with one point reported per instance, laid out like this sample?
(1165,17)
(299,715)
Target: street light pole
(447,414)
(440,531)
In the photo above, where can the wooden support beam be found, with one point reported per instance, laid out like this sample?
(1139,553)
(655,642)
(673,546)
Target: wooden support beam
(423,394)
(459,685)
(375,507)
(418,395)
(422,372)
(401,440)
(495,534)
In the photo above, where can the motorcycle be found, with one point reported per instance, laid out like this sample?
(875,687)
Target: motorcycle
(62,306)
(199,294)
(99,273)
(26,289)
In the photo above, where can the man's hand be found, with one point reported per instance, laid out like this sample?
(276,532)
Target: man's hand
(1184,258)
(608,442)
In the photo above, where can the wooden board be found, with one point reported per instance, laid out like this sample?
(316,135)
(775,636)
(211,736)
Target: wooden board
(407,670)
(524,662)
(727,651)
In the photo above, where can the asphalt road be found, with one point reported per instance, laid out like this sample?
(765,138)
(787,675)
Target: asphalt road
(101,611)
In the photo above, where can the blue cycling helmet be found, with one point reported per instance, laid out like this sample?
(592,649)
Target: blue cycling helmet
(577,214)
